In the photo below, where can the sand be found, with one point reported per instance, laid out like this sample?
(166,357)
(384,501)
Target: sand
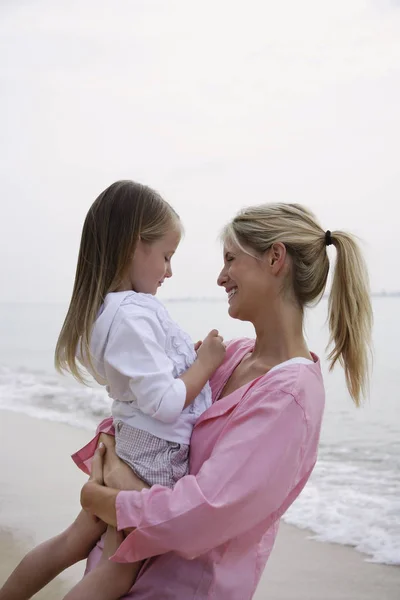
(39,496)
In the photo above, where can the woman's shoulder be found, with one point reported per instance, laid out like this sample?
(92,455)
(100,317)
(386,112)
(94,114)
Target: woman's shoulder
(296,381)
(295,376)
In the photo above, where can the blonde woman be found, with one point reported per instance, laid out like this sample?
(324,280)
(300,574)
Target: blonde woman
(253,451)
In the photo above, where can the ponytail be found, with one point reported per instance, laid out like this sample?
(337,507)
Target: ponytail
(350,315)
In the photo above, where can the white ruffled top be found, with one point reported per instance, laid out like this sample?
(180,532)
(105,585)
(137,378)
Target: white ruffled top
(138,353)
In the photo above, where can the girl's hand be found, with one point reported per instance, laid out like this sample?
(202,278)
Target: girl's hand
(197,345)
(212,351)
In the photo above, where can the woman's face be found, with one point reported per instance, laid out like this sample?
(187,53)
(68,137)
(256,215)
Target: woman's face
(251,282)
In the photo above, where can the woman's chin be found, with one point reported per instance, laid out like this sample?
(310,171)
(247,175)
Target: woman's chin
(239,311)
(233,312)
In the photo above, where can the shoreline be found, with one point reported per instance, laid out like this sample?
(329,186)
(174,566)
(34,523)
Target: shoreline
(39,496)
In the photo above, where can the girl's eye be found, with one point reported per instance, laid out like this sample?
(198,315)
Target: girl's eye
(229,258)
(167,259)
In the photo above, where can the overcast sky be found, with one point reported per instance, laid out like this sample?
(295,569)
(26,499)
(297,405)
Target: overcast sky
(217,104)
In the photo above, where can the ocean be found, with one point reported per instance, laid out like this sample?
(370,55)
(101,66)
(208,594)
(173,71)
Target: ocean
(353,496)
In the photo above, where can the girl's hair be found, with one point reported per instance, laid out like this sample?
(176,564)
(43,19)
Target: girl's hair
(123,213)
(349,308)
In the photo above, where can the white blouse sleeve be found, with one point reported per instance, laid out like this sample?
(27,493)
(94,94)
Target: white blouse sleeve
(135,350)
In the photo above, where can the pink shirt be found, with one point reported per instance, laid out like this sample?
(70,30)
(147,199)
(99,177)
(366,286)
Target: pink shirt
(252,453)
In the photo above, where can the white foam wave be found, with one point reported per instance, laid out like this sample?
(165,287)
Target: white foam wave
(51,397)
(351,505)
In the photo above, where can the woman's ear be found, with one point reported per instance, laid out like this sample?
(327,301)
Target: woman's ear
(276,256)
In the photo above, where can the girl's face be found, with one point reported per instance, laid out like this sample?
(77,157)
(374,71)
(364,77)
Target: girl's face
(151,263)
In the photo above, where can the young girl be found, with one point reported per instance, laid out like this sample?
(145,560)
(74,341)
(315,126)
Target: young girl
(121,334)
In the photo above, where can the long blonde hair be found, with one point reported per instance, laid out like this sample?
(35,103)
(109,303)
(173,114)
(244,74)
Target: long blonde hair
(349,306)
(122,213)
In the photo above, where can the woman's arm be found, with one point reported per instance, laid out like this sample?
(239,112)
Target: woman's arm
(255,471)
(98,499)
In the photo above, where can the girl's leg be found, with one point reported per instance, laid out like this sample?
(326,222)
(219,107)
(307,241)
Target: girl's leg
(109,580)
(49,559)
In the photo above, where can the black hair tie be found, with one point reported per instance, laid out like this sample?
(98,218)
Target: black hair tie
(328,238)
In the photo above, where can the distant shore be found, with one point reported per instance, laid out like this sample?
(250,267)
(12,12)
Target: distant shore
(382,294)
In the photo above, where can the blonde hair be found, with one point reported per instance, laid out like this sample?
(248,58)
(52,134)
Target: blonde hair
(121,214)
(349,307)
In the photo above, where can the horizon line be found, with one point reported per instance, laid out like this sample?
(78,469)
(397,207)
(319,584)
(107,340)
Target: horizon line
(382,294)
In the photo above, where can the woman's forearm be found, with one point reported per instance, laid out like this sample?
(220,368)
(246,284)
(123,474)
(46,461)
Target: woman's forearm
(100,501)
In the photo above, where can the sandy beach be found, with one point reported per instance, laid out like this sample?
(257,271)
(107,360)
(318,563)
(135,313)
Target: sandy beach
(39,492)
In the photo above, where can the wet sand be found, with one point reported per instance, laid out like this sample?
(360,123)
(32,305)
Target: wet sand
(39,496)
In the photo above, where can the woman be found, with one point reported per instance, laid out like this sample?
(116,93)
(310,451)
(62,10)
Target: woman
(253,451)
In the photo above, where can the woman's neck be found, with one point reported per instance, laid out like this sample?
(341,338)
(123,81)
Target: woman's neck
(279,335)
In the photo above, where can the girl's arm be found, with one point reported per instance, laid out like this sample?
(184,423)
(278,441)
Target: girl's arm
(210,355)
(136,357)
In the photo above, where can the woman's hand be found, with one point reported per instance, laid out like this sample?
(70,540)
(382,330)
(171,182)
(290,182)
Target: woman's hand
(96,478)
(97,499)
(97,470)
(107,469)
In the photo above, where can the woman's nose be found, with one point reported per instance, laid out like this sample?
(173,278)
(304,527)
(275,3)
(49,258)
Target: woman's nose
(222,277)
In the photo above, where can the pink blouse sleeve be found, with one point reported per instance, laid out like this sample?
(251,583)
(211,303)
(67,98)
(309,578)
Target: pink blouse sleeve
(83,458)
(255,471)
